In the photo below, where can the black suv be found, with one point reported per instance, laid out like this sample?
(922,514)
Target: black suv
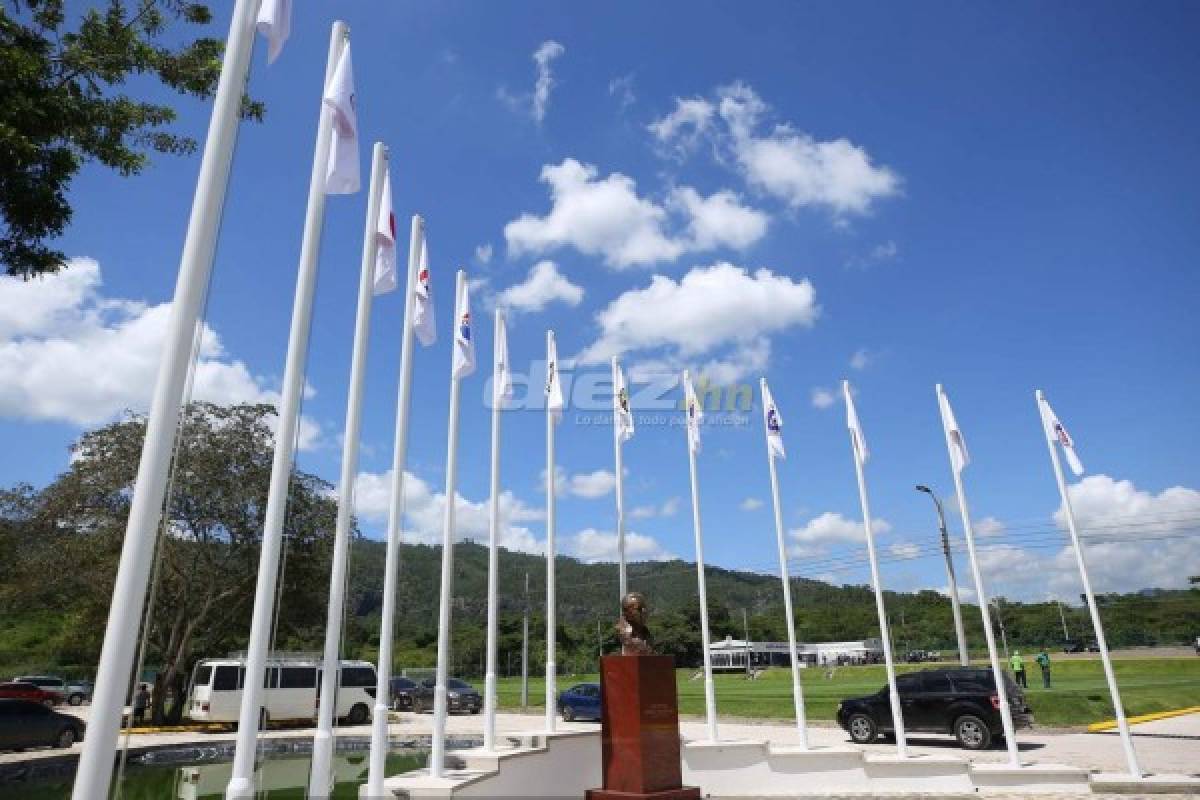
(460,696)
(959,700)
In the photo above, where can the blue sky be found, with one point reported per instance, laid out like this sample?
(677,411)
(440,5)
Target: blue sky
(998,197)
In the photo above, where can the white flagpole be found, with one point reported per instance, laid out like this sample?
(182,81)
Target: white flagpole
(320,782)
(1010,736)
(437,754)
(620,493)
(797,689)
(710,697)
(241,783)
(1122,723)
(884,632)
(489,680)
(551,617)
(391,564)
(129,591)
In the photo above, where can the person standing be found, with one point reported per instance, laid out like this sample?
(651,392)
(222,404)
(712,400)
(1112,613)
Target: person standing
(1043,660)
(1018,668)
(141,701)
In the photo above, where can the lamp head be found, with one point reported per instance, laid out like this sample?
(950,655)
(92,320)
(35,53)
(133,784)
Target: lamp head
(923,488)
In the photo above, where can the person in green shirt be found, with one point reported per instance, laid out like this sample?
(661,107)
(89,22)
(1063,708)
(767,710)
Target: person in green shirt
(1043,660)
(1018,668)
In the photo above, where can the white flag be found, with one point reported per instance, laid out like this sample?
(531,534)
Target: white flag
(423,322)
(554,393)
(502,386)
(694,413)
(622,414)
(341,172)
(856,435)
(275,24)
(385,238)
(959,457)
(1055,432)
(773,422)
(464,344)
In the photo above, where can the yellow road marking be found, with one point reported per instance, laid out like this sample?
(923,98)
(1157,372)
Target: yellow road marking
(1109,724)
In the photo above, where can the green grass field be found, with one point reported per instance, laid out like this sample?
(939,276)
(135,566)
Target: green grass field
(1079,695)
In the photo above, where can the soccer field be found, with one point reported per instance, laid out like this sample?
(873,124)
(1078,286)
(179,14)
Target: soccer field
(1079,695)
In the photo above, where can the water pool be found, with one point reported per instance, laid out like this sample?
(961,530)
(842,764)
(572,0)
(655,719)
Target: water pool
(279,777)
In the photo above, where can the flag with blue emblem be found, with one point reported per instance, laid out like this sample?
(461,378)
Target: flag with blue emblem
(772,421)
(464,342)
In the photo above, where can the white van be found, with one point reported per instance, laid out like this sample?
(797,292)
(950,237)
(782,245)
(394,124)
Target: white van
(291,688)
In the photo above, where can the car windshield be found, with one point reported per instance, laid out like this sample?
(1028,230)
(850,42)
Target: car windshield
(455,683)
(402,683)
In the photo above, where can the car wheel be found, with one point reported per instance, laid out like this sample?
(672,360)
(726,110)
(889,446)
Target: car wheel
(66,737)
(75,699)
(476,710)
(48,703)
(568,714)
(358,715)
(862,728)
(972,732)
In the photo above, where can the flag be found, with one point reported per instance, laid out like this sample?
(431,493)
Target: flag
(773,422)
(694,414)
(385,239)
(959,457)
(341,172)
(1055,432)
(856,435)
(502,386)
(622,415)
(464,344)
(275,24)
(554,394)
(423,323)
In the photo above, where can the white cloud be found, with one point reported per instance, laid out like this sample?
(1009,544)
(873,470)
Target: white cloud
(885,251)
(424,511)
(719,220)
(828,529)
(622,89)
(823,398)
(683,128)
(669,508)
(988,526)
(546,52)
(861,359)
(586,485)
(905,550)
(606,217)
(592,545)
(751,504)
(69,352)
(707,309)
(483,253)
(543,286)
(787,163)
(965,593)
(1134,539)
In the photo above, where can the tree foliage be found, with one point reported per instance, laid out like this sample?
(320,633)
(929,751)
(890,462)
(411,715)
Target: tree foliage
(64,84)
(72,533)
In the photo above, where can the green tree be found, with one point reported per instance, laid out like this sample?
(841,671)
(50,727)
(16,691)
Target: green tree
(65,106)
(208,555)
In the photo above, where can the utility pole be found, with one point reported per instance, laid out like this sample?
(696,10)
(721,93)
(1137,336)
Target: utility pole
(525,649)
(1000,620)
(963,658)
(1062,615)
(599,645)
(746,633)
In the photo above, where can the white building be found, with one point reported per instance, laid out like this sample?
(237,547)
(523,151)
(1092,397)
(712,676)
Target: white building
(730,654)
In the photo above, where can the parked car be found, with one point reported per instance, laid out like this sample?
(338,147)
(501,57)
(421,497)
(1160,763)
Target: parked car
(15,690)
(27,723)
(460,696)
(957,700)
(1081,647)
(581,701)
(402,692)
(56,686)
(79,692)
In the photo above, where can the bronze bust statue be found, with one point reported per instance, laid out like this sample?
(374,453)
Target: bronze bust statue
(631,627)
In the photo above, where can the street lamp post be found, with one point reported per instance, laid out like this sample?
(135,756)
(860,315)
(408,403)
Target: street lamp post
(963,658)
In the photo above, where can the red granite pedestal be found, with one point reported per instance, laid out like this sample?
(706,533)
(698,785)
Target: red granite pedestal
(640,715)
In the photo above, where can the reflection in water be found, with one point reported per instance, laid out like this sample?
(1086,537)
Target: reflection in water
(282,777)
